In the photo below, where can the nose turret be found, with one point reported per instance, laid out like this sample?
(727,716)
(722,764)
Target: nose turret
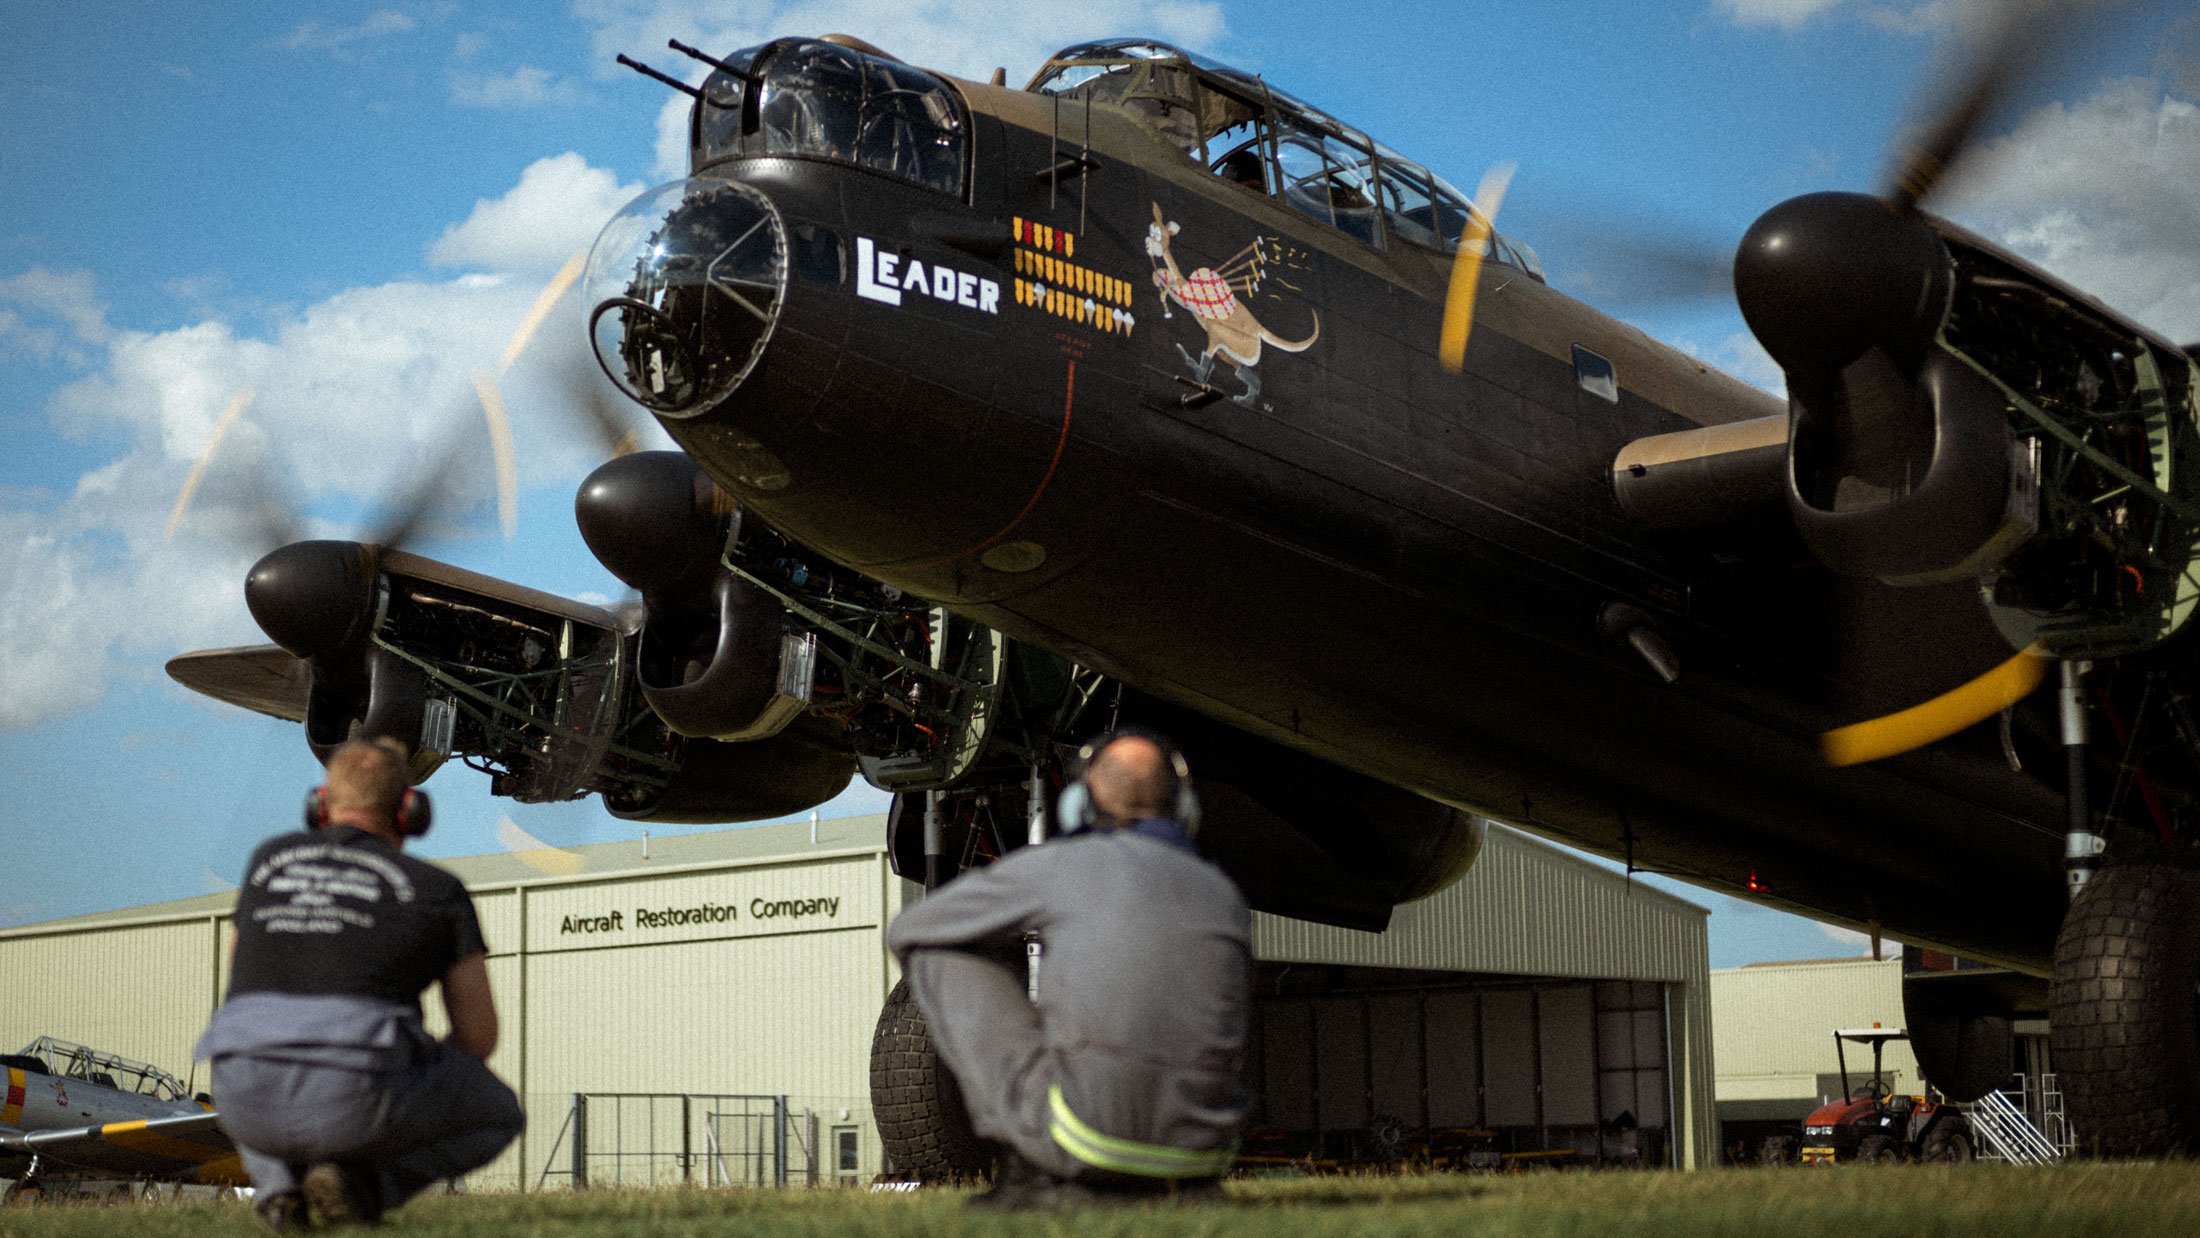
(687,284)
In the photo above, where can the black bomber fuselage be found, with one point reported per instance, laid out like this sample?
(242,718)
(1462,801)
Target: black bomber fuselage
(999,403)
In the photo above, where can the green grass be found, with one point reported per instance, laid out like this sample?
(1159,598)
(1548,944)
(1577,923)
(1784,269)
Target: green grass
(1976,1201)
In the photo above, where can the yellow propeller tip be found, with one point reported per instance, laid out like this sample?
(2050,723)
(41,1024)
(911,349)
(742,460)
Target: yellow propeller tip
(1876,739)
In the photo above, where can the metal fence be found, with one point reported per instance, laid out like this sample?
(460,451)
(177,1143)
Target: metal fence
(657,1139)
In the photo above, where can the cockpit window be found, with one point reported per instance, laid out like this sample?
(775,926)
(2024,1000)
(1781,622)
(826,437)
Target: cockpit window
(1328,178)
(824,101)
(1157,83)
(1251,134)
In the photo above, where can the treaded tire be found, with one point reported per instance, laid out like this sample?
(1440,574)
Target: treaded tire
(917,1103)
(2125,1024)
(1948,1144)
(1877,1148)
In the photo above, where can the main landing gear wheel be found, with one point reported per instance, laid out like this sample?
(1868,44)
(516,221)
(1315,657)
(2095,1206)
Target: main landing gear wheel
(2126,1011)
(918,1105)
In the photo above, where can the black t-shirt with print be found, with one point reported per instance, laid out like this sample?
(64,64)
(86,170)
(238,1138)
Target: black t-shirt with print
(337,910)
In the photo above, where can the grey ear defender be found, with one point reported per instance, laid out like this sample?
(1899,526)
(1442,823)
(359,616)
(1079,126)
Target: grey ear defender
(1074,811)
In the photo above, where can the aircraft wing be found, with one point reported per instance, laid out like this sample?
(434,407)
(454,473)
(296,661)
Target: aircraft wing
(191,1147)
(262,678)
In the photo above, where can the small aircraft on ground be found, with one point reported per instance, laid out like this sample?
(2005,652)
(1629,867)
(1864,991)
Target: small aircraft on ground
(1151,393)
(75,1115)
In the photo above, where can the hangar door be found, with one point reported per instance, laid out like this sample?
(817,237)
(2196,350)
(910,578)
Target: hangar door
(1358,1065)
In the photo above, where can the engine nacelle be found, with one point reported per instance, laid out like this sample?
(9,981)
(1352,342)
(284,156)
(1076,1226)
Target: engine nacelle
(799,768)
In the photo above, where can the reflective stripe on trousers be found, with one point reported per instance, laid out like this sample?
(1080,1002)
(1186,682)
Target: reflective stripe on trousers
(1128,1156)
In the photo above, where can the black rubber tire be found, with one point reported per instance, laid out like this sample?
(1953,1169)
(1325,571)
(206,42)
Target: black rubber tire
(1948,1143)
(23,1194)
(2125,1023)
(1878,1148)
(1778,1150)
(918,1106)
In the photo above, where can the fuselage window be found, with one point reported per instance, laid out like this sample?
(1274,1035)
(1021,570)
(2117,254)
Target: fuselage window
(1596,375)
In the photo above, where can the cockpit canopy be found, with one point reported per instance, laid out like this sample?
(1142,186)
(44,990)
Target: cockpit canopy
(819,99)
(1244,130)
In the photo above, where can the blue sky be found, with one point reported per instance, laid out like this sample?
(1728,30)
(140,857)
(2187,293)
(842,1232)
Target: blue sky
(346,208)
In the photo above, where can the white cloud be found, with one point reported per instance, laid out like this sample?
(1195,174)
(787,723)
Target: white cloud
(670,146)
(315,36)
(48,315)
(557,208)
(355,396)
(2100,193)
(1786,14)
(525,86)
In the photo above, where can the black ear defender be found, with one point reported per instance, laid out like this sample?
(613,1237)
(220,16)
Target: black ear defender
(1074,811)
(415,813)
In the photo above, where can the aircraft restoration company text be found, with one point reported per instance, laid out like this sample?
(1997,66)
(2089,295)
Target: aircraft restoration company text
(794,909)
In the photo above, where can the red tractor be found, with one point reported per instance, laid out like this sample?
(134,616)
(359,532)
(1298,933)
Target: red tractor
(1871,1125)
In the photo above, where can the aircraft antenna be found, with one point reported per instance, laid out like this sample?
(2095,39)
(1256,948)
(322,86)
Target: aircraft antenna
(666,78)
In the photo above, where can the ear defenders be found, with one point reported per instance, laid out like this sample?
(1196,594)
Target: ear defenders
(1074,810)
(414,813)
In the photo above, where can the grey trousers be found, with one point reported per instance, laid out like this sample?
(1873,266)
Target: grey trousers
(987,1031)
(443,1116)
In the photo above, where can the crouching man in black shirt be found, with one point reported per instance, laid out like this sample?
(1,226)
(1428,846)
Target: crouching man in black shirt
(341,1105)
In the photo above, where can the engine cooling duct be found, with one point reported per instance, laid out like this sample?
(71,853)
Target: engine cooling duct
(1900,463)
(717,659)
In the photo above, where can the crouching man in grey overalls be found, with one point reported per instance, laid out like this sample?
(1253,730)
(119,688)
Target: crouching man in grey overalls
(1123,1079)
(341,1105)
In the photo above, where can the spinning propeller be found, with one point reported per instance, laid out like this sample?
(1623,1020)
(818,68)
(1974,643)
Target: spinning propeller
(1825,280)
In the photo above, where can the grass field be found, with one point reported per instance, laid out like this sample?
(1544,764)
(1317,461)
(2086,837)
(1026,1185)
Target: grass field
(1975,1201)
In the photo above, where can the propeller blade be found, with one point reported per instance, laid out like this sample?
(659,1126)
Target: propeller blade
(500,447)
(535,853)
(606,411)
(1619,251)
(548,297)
(235,409)
(402,523)
(1938,718)
(2014,48)
(1466,268)
(274,514)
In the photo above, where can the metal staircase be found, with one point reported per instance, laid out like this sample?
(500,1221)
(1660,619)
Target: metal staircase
(2005,1133)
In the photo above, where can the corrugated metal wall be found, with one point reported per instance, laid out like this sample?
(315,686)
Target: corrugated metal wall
(756,977)
(1776,1025)
(143,990)
(1526,908)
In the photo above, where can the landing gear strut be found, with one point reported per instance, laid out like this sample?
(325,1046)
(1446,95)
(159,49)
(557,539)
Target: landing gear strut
(2126,998)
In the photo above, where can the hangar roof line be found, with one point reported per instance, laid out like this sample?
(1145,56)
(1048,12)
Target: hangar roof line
(707,848)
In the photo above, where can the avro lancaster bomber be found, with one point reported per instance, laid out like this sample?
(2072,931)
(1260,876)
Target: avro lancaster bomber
(1150,393)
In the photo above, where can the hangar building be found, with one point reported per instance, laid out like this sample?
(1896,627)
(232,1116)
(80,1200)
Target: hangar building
(712,997)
